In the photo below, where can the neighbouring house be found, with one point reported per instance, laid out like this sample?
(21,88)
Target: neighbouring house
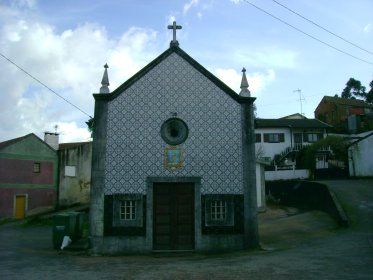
(173,161)
(279,139)
(360,156)
(345,115)
(75,160)
(28,176)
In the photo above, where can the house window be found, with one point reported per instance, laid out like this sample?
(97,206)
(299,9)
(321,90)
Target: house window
(298,138)
(70,171)
(128,210)
(274,137)
(36,168)
(313,137)
(218,210)
(258,137)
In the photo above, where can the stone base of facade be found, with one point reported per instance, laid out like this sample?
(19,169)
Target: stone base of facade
(119,245)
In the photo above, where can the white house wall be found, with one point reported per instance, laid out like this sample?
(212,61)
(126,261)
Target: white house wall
(271,149)
(361,158)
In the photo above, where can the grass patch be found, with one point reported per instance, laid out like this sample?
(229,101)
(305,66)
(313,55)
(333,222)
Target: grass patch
(37,221)
(6,221)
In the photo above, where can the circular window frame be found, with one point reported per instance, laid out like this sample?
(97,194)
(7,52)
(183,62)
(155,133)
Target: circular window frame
(174,131)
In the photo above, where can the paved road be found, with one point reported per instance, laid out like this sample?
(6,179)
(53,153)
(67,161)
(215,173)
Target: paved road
(25,253)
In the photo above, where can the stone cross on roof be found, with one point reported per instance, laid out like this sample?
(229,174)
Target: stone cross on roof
(174,27)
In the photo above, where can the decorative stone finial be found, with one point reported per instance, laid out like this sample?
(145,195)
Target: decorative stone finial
(174,27)
(245,92)
(105,81)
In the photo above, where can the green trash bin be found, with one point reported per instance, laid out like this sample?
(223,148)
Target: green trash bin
(79,221)
(64,224)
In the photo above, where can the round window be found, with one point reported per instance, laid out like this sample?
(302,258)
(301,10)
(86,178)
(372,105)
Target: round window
(174,131)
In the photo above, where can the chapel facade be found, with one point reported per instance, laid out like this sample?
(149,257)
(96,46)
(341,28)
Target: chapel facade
(173,161)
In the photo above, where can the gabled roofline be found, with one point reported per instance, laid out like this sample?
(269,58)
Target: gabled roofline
(19,139)
(161,57)
(289,123)
(295,114)
(71,145)
(10,142)
(361,139)
(345,101)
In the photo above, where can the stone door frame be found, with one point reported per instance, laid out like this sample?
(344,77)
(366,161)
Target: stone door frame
(196,181)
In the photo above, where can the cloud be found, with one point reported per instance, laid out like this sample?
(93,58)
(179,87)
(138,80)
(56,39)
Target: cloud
(268,57)
(71,132)
(368,28)
(236,1)
(171,19)
(257,81)
(189,5)
(28,4)
(71,63)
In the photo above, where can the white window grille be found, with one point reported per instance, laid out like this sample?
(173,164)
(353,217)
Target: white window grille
(218,210)
(128,210)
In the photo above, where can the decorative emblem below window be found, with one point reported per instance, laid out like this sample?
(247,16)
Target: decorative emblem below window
(174,131)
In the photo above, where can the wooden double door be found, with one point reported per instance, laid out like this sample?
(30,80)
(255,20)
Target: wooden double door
(173,216)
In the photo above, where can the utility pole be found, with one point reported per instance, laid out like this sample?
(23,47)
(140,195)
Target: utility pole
(301,98)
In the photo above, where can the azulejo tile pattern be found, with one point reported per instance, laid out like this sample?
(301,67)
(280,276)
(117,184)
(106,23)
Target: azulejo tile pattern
(135,149)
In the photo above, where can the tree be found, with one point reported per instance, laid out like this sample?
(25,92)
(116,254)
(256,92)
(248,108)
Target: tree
(369,96)
(354,90)
(336,143)
(90,124)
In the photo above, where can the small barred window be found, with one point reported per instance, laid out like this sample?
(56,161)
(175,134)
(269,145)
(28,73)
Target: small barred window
(128,210)
(36,168)
(218,210)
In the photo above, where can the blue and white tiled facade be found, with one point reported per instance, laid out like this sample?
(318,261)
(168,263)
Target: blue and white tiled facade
(135,149)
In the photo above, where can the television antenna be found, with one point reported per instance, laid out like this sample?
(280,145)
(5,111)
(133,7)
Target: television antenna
(301,98)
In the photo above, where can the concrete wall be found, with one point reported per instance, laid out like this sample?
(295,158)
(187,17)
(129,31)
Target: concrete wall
(360,157)
(287,174)
(307,195)
(260,186)
(75,173)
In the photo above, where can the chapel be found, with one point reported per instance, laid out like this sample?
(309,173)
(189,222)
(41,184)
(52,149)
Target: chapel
(173,161)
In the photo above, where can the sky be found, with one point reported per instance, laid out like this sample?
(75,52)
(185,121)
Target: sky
(65,44)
